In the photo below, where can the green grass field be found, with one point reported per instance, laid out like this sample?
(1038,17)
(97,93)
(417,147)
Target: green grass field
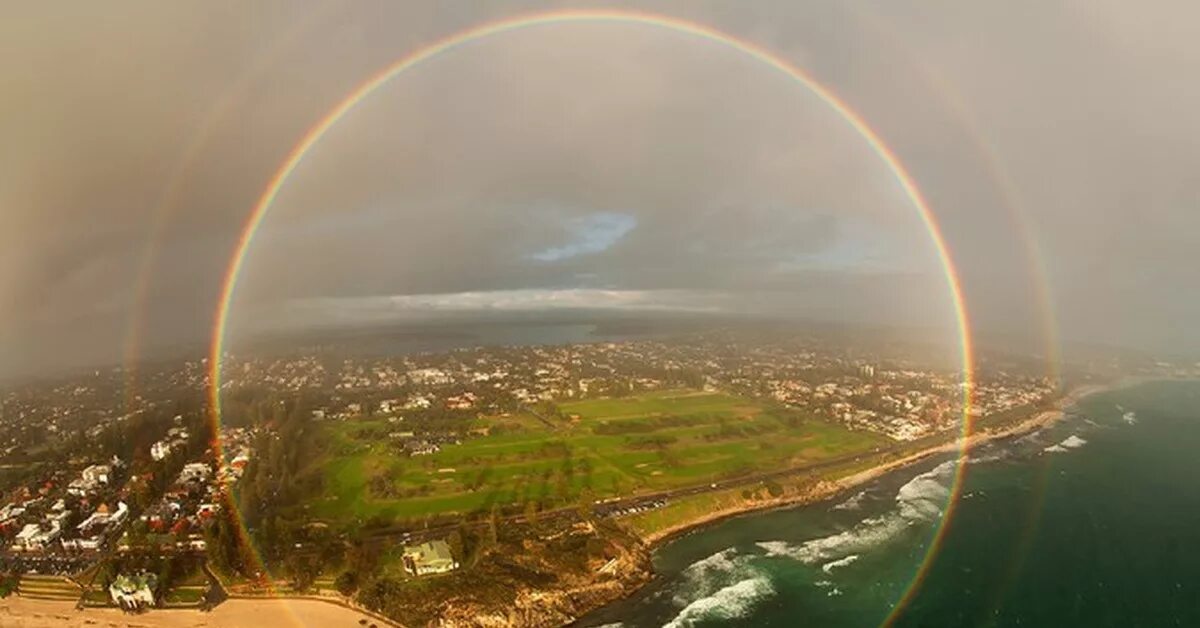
(605,448)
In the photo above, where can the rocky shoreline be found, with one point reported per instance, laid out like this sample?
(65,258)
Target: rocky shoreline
(829,489)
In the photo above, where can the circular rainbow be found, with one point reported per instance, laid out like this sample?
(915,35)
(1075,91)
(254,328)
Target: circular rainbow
(365,89)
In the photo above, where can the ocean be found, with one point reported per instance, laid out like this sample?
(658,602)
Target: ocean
(1094,521)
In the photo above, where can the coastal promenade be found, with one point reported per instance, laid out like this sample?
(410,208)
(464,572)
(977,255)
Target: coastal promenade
(18,612)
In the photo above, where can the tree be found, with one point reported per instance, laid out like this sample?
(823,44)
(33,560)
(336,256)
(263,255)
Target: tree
(302,570)
(531,512)
(457,541)
(494,525)
(587,510)
(346,583)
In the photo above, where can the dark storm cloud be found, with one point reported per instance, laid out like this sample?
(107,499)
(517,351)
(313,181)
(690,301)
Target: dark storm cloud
(744,193)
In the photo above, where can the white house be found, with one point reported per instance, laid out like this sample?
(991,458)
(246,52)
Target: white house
(160,449)
(97,473)
(33,538)
(133,592)
(429,558)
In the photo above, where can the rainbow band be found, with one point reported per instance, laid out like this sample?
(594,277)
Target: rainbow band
(168,198)
(368,87)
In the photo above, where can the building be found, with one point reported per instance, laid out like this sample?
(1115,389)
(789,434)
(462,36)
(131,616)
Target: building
(194,473)
(161,449)
(133,593)
(96,528)
(429,558)
(97,473)
(34,537)
(160,516)
(90,480)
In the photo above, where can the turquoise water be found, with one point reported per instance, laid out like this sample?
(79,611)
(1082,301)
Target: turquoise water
(1092,522)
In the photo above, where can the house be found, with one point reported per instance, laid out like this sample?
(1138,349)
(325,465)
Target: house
(194,473)
(89,480)
(133,593)
(429,558)
(160,449)
(90,543)
(161,515)
(34,537)
(97,473)
(421,448)
(11,512)
(104,517)
(97,527)
(241,459)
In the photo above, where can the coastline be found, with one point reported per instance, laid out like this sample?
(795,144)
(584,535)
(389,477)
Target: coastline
(828,489)
(281,611)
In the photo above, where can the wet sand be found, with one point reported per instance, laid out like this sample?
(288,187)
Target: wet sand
(18,612)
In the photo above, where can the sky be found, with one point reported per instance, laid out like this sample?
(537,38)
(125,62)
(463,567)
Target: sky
(595,166)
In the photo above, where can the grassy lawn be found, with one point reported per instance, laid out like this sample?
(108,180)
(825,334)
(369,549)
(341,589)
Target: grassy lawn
(695,507)
(190,594)
(608,447)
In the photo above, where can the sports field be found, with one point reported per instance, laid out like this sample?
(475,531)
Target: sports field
(595,448)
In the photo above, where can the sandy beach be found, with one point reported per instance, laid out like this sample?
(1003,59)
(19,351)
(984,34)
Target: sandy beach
(18,612)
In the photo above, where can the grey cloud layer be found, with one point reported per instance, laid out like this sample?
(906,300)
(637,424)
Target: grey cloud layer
(449,179)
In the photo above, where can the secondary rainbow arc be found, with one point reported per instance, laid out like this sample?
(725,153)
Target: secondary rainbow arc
(896,168)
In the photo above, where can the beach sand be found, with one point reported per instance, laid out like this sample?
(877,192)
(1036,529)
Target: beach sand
(18,612)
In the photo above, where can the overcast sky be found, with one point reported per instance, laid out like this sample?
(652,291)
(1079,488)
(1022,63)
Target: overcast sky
(595,165)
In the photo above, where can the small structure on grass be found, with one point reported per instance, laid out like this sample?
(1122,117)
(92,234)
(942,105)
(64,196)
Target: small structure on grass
(429,558)
(133,593)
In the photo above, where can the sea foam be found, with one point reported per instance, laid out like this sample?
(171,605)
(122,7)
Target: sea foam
(1073,442)
(853,503)
(709,574)
(728,602)
(839,563)
(919,501)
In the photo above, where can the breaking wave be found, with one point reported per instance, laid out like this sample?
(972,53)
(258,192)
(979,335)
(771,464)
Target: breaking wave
(723,561)
(1129,417)
(728,602)
(1071,442)
(853,503)
(724,585)
(704,576)
(920,501)
(1031,437)
(837,564)
(1000,455)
